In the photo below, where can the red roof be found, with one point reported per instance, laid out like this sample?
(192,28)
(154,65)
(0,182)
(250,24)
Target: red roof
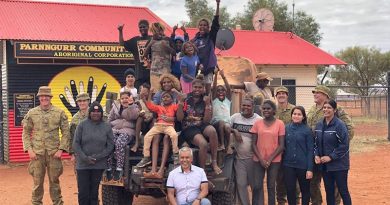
(276,48)
(28,20)
(47,21)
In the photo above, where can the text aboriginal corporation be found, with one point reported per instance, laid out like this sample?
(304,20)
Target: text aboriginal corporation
(78,50)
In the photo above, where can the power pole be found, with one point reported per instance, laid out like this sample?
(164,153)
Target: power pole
(388,106)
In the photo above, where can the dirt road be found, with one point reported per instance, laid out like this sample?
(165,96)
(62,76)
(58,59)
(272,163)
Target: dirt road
(369,178)
(369,182)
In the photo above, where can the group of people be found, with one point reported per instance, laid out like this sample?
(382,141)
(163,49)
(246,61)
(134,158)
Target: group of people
(164,96)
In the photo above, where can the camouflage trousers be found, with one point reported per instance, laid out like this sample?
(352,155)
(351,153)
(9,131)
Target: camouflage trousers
(37,168)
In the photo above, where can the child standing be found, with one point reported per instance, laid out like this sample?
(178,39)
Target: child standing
(178,41)
(122,119)
(189,64)
(164,125)
(205,42)
(161,50)
(221,111)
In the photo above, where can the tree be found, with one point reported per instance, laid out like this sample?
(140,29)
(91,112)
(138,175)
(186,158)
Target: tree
(198,9)
(366,67)
(305,25)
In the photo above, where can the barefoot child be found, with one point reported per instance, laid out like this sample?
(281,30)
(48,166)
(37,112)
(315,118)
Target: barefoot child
(189,64)
(161,50)
(164,125)
(221,111)
(144,120)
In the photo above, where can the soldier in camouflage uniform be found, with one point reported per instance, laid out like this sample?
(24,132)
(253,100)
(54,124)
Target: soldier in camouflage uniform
(42,142)
(82,100)
(283,113)
(314,115)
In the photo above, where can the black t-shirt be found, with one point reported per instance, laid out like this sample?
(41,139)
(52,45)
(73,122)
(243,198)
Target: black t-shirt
(137,46)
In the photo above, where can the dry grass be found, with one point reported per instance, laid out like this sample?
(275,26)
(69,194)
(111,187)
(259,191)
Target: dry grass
(367,143)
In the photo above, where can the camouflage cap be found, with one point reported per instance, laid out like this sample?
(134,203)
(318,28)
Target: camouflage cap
(263,75)
(82,96)
(281,89)
(322,89)
(44,90)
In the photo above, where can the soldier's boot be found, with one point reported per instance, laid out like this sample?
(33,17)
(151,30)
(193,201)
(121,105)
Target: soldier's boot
(315,189)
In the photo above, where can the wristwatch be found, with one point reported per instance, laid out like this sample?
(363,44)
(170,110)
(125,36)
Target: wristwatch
(198,198)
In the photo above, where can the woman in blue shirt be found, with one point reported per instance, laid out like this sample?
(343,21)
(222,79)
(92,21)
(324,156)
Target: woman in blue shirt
(298,156)
(332,153)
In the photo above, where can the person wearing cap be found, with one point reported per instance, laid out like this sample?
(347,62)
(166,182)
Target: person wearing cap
(41,140)
(137,46)
(82,101)
(315,114)
(283,113)
(93,143)
(258,90)
(130,80)
(178,42)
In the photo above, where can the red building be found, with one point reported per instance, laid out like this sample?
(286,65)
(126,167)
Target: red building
(54,44)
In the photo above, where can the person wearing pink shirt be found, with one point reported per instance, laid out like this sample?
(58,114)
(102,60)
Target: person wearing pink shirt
(268,145)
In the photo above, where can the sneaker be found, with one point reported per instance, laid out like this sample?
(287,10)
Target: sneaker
(144,162)
(118,175)
(108,175)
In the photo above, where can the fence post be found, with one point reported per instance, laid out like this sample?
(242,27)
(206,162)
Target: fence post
(388,105)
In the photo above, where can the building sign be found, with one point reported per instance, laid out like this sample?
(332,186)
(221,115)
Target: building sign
(23,102)
(70,50)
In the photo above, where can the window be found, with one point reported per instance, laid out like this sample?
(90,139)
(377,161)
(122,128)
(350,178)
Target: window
(290,84)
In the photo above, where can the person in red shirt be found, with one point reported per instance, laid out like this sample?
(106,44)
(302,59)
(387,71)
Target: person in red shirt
(164,125)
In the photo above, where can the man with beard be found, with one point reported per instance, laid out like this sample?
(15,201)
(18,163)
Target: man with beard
(137,46)
(258,89)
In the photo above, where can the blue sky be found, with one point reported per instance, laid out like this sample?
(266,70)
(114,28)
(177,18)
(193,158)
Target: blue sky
(344,23)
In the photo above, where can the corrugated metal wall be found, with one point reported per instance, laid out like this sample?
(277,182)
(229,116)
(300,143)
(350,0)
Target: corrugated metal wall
(2,63)
(28,78)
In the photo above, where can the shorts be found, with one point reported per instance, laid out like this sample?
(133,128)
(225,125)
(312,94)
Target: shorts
(208,79)
(216,123)
(188,134)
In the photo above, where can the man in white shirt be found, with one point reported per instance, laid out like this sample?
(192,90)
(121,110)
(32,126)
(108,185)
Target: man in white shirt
(188,181)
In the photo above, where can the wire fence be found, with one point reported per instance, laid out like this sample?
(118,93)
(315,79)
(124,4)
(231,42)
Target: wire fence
(373,105)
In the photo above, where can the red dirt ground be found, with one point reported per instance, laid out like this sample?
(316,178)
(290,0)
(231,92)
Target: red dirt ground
(369,178)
